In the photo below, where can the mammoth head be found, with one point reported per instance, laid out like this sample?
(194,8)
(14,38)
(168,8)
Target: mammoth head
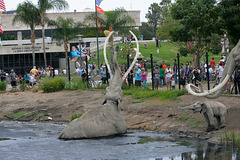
(196,107)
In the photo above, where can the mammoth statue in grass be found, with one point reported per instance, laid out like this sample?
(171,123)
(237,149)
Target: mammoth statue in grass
(233,62)
(210,109)
(105,119)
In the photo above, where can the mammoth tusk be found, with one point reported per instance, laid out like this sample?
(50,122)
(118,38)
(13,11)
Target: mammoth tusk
(105,54)
(135,58)
(205,93)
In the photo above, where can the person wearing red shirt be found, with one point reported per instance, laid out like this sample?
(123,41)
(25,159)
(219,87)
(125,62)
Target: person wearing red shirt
(213,63)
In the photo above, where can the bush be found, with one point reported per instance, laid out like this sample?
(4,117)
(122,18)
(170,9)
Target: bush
(3,86)
(52,84)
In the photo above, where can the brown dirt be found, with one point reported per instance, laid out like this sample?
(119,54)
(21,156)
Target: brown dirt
(152,115)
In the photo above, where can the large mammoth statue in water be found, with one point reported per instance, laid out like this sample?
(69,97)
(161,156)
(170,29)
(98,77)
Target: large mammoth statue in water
(233,62)
(104,119)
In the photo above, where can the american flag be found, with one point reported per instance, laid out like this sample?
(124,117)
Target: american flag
(98,2)
(2,5)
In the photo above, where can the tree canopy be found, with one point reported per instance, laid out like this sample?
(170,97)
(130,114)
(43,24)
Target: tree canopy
(230,14)
(200,21)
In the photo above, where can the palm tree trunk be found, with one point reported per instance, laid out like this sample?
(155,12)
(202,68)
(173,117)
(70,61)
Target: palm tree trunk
(43,36)
(33,47)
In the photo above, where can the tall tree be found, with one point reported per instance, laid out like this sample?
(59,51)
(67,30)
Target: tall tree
(168,23)
(230,14)
(44,6)
(154,16)
(199,19)
(145,30)
(65,30)
(28,14)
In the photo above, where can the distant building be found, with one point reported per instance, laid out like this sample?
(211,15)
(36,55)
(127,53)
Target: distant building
(17,54)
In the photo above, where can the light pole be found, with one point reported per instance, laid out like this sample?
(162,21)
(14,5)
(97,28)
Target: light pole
(80,49)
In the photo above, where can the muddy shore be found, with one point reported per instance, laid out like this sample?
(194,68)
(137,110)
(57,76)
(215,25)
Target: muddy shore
(149,115)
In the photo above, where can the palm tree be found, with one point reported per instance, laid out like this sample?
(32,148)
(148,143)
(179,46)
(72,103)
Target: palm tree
(118,19)
(44,6)
(65,30)
(29,15)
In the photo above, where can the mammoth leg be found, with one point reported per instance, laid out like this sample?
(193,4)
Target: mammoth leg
(222,121)
(210,121)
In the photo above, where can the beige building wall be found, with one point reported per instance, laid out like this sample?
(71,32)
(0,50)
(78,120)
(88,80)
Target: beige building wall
(77,16)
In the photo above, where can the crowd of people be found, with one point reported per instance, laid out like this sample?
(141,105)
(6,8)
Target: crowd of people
(31,78)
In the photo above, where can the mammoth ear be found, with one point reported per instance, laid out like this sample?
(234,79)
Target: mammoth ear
(204,108)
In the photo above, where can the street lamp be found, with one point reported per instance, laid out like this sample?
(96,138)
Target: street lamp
(80,49)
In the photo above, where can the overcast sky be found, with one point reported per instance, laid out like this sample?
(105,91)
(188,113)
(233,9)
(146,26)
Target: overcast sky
(106,5)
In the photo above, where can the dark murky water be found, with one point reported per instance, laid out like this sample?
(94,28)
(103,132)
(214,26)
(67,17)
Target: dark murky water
(39,141)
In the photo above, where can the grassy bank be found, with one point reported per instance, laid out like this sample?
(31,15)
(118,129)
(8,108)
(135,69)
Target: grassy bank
(167,52)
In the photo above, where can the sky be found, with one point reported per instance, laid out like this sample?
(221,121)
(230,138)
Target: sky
(106,5)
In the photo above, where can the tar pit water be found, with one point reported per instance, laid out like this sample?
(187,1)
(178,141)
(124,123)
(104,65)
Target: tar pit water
(39,141)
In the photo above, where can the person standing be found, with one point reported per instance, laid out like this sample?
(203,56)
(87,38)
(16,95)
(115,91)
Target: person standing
(13,79)
(187,72)
(182,80)
(157,42)
(164,67)
(104,75)
(82,73)
(3,76)
(175,70)
(162,76)
(156,77)
(220,71)
(144,77)
(137,73)
(213,63)
(196,75)
(168,73)
(34,71)
(237,81)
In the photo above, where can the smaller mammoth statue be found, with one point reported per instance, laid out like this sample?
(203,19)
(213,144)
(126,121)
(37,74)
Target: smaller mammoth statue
(210,109)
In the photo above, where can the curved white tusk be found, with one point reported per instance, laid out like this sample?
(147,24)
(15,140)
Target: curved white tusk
(205,93)
(135,58)
(105,54)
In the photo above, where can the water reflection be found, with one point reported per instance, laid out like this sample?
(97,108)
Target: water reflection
(208,152)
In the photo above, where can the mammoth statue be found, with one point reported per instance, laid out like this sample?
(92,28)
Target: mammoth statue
(210,109)
(233,62)
(104,119)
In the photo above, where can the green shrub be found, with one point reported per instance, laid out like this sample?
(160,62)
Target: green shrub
(52,84)
(3,86)
(75,115)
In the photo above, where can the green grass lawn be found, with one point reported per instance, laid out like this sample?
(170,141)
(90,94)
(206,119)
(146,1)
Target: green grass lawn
(167,52)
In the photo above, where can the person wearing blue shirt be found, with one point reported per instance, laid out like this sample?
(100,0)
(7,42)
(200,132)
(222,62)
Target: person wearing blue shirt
(137,72)
(103,75)
(75,52)
(81,72)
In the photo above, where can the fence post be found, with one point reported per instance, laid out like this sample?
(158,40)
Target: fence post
(179,85)
(87,68)
(152,70)
(128,76)
(207,71)
(69,76)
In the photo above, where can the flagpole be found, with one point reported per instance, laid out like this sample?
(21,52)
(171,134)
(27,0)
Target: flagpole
(97,33)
